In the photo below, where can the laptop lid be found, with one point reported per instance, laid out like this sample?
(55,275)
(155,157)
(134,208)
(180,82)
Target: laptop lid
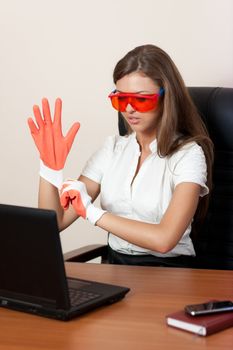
(32,272)
(30,256)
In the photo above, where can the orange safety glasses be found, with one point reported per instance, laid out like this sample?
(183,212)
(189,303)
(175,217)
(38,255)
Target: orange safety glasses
(140,102)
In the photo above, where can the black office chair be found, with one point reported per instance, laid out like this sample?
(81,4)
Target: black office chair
(214,243)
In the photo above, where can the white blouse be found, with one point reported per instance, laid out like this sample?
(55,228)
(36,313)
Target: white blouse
(114,166)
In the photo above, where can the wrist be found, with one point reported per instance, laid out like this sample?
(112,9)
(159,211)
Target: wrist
(55,177)
(93,214)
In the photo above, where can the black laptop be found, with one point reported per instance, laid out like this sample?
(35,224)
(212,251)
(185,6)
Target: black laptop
(32,272)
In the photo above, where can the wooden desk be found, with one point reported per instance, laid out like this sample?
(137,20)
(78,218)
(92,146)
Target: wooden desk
(136,322)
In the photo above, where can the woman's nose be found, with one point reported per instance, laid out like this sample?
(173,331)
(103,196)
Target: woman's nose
(129,108)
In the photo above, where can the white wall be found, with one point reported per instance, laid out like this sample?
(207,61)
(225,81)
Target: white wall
(68,48)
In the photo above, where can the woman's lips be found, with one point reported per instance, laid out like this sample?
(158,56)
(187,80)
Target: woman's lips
(133,120)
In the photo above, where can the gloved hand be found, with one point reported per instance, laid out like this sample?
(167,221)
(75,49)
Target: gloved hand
(50,142)
(74,192)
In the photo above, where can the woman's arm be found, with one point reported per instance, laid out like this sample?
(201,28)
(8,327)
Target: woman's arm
(49,199)
(160,237)
(54,149)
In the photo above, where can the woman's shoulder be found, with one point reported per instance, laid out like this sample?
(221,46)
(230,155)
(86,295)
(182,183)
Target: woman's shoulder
(190,150)
(190,146)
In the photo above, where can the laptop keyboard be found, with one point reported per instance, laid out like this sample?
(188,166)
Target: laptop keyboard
(78,297)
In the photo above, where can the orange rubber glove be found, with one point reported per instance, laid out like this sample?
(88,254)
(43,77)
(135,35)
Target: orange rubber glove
(50,142)
(74,192)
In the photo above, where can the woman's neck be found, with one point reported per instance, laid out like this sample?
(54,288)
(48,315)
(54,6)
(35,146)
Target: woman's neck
(144,141)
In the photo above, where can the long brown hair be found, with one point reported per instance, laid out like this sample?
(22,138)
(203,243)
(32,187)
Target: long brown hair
(180,122)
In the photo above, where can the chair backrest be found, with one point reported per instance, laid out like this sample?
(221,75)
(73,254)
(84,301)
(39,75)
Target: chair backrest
(214,243)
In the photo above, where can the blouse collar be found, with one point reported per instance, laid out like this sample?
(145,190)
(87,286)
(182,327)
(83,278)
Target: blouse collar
(152,146)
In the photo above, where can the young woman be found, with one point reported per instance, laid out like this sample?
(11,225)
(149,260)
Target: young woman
(152,181)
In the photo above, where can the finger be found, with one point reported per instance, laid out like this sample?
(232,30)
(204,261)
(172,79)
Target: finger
(71,134)
(66,184)
(57,114)
(77,203)
(65,200)
(38,117)
(65,188)
(32,126)
(46,111)
(73,185)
